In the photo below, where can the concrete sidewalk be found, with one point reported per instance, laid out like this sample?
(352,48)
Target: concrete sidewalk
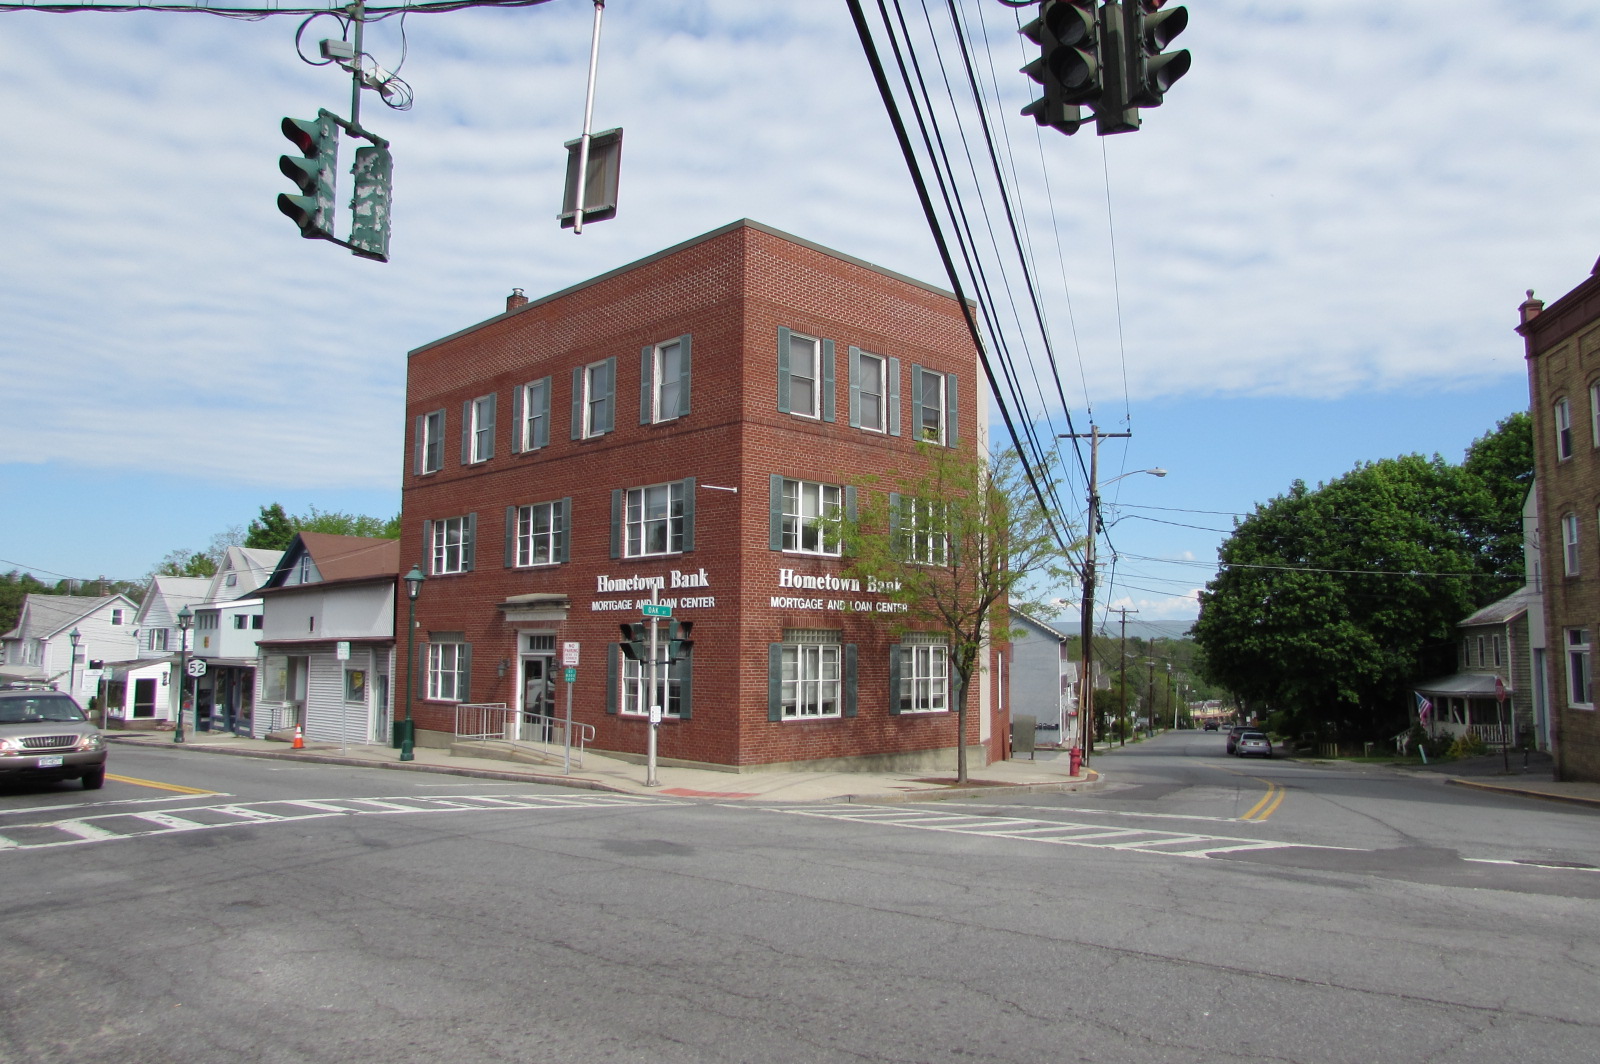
(1050,772)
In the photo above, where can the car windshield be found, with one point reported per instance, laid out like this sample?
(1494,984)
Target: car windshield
(54,708)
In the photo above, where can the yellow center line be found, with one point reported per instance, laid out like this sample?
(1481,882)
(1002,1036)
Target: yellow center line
(1268,804)
(159,786)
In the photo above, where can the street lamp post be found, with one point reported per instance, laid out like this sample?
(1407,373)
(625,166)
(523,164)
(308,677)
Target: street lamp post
(72,664)
(185,617)
(407,729)
(1086,623)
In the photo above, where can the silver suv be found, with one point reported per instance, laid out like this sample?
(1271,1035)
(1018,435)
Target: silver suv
(45,735)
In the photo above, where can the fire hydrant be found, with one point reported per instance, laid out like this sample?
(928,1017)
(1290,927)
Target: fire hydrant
(1075,758)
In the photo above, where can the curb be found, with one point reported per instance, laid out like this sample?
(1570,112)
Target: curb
(1523,792)
(945,794)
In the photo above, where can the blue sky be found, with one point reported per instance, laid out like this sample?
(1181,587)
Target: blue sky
(1310,256)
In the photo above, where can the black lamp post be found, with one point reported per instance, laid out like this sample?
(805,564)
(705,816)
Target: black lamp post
(185,617)
(407,730)
(72,665)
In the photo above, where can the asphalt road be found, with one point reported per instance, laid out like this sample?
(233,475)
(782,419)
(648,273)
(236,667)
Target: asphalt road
(317,913)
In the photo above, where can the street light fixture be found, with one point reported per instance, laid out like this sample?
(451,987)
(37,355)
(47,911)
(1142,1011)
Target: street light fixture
(72,664)
(185,618)
(407,730)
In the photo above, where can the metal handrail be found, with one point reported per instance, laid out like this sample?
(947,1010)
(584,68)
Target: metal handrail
(498,723)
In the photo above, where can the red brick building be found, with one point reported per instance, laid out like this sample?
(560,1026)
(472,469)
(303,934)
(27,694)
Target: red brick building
(1563,352)
(676,425)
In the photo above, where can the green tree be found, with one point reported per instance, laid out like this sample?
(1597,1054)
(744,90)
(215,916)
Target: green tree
(14,587)
(273,530)
(1331,601)
(952,542)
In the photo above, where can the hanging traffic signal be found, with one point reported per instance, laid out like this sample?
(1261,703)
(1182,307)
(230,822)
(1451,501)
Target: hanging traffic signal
(1151,27)
(1068,68)
(679,642)
(369,203)
(312,171)
(635,641)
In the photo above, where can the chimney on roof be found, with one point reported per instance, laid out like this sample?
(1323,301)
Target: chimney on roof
(515,299)
(1530,308)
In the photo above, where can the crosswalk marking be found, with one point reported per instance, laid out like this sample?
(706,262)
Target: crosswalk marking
(133,824)
(1060,833)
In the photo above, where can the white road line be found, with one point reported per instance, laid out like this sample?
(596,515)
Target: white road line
(85,830)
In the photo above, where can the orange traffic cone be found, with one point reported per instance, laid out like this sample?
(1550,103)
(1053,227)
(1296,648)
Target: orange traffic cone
(299,739)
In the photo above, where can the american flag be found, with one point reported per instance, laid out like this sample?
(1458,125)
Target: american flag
(1424,707)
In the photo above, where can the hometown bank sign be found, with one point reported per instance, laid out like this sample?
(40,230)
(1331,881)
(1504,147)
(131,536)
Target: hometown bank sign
(787,580)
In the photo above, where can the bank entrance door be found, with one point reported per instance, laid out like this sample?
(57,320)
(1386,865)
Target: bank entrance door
(538,695)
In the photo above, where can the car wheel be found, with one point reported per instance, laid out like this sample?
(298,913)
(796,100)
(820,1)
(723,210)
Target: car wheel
(94,779)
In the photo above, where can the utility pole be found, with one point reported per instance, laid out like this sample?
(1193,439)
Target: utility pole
(1086,621)
(1122,667)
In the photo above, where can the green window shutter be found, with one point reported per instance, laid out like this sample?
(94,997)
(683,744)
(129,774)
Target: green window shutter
(849,707)
(427,547)
(783,370)
(774,681)
(469,542)
(542,402)
(511,536)
(577,403)
(827,380)
(683,379)
(564,536)
(612,656)
(688,514)
(683,672)
(951,410)
(894,521)
(647,372)
(894,396)
(489,416)
(855,387)
(894,680)
(420,680)
(916,402)
(420,466)
(465,691)
(849,502)
(516,418)
(608,411)
(466,432)
(616,522)
(775,529)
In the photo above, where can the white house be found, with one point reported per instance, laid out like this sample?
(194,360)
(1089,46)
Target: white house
(1042,679)
(326,649)
(40,648)
(227,624)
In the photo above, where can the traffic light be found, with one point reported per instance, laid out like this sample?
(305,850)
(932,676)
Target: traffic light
(312,171)
(1068,68)
(679,642)
(635,641)
(1150,28)
(369,203)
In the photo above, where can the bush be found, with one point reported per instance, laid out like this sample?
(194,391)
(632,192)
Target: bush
(1468,745)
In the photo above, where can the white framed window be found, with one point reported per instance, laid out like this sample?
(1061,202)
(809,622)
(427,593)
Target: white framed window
(928,405)
(155,639)
(256,620)
(540,534)
(477,429)
(664,381)
(1594,413)
(654,521)
(530,416)
(305,573)
(636,700)
(805,376)
(451,545)
(1563,416)
(448,666)
(1483,658)
(240,620)
(430,442)
(924,678)
(594,399)
(806,507)
(874,392)
(1569,543)
(1579,678)
(923,534)
(116,618)
(811,681)
(1495,643)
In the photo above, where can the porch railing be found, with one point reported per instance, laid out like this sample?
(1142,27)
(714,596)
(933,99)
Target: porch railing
(1491,734)
(500,723)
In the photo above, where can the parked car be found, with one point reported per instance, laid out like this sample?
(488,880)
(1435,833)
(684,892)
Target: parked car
(1254,743)
(1210,725)
(1234,733)
(45,735)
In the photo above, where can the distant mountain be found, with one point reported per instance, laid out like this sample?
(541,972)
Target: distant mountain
(1141,629)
